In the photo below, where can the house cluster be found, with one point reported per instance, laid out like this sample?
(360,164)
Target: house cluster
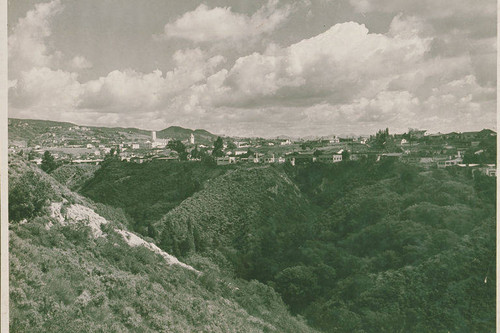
(292,158)
(79,144)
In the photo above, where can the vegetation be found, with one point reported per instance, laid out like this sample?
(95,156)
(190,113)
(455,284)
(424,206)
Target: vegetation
(147,191)
(179,147)
(218,147)
(62,279)
(363,246)
(74,176)
(48,163)
(357,246)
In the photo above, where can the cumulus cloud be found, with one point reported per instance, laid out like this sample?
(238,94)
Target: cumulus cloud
(335,66)
(80,62)
(345,79)
(206,24)
(26,43)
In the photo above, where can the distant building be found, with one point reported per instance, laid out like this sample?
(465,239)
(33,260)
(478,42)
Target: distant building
(286,142)
(135,146)
(241,144)
(240,152)
(270,159)
(226,160)
(335,158)
(191,139)
(153,136)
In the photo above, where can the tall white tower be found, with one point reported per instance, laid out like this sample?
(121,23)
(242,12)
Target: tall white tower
(191,139)
(153,135)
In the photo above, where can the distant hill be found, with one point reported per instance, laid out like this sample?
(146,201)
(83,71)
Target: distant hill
(34,130)
(180,133)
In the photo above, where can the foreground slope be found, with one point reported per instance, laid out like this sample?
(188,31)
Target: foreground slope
(75,268)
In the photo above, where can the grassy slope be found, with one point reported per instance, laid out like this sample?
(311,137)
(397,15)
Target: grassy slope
(63,280)
(74,176)
(256,212)
(147,191)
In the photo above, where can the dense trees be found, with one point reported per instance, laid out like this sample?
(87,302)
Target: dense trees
(179,147)
(354,246)
(372,253)
(218,148)
(48,162)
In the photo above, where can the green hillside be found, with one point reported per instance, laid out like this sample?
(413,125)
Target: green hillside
(358,246)
(74,176)
(38,131)
(179,133)
(147,191)
(254,216)
(67,276)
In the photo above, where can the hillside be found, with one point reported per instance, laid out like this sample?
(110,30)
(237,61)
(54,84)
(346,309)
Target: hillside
(254,216)
(74,176)
(34,131)
(75,268)
(359,246)
(147,191)
(179,133)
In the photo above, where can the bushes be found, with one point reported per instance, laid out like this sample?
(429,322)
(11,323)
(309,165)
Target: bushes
(28,196)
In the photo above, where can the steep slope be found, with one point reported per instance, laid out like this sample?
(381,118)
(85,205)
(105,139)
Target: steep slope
(255,216)
(362,246)
(75,268)
(147,191)
(74,176)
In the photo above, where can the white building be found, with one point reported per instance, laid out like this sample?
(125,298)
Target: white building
(191,139)
(286,142)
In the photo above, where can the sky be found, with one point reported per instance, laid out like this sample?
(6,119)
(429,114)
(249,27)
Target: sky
(256,68)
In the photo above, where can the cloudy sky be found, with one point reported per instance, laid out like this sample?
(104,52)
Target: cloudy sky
(263,67)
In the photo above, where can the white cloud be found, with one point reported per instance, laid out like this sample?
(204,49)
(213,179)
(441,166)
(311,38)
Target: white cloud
(346,79)
(45,91)
(80,62)
(221,23)
(26,43)
(335,66)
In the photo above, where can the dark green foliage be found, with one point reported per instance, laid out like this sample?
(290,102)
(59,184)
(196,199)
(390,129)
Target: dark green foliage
(62,279)
(74,176)
(218,146)
(48,163)
(179,147)
(147,191)
(358,246)
(379,251)
(28,196)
